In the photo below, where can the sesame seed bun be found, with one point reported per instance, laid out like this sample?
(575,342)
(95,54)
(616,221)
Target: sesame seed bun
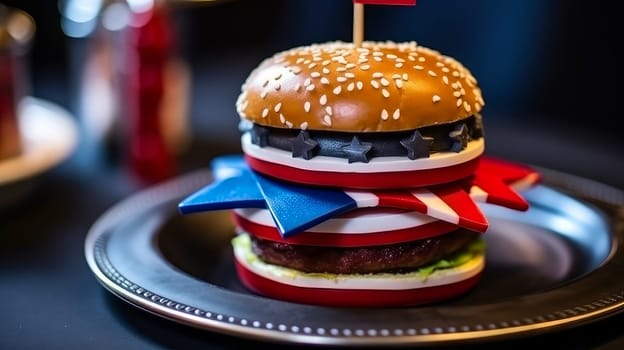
(380,86)
(380,115)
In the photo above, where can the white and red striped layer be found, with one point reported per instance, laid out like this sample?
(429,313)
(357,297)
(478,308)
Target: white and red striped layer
(377,221)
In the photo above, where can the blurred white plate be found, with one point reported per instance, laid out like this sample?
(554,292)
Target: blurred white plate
(49,136)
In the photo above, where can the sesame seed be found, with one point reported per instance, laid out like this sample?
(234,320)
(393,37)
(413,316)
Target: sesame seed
(341,69)
(349,75)
(377,75)
(326,62)
(351,86)
(445,69)
(341,79)
(289,124)
(307,82)
(329,110)
(435,98)
(399,65)
(404,76)
(440,64)
(384,114)
(391,56)
(384,82)
(327,120)
(411,58)
(299,60)
(278,107)
(310,87)
(400,60)
(385,93)
(457,94)
(455,73)
(378,54)
(324,81)
(397,114)
(417,67)
(337,90)
(315,74)
(432,73)
(363,60)
(445,79)
(282,118)
(421,59)
(365,67)
(471,80)
(466,106)
(326,70)
(350,65)
(378,59)
(459,102)
(396,76)
(306,106)
(398,83)
(263,94)
(265,112)
(375,84)
(303,126)
(323,100)
(359,85)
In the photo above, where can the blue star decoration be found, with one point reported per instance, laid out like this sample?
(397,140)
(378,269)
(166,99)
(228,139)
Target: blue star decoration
(244,188)
(417,146)
(460,137)
(357,151)
(303,146)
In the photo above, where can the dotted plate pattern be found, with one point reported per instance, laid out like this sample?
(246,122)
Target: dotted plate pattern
(605,303)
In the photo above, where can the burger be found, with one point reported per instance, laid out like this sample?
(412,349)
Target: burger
(394,126)
(375,116)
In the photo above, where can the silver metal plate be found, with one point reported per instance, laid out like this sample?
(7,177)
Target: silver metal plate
(549,268)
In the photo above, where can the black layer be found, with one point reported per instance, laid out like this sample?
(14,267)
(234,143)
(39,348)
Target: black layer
(361,147)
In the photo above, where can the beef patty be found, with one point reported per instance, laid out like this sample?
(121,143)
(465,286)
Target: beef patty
(385,258)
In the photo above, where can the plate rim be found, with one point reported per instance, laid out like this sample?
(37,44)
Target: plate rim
(611,301)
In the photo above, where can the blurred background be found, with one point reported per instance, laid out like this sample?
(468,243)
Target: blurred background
(550,71)
(542,65)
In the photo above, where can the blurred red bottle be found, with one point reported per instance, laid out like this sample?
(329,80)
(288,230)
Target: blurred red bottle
(16,30)
(149,49)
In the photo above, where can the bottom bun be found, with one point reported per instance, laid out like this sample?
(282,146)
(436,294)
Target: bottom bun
(353,290)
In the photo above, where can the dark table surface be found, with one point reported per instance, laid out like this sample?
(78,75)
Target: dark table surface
(51,300)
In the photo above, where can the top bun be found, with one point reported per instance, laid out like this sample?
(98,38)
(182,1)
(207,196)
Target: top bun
(377,87)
